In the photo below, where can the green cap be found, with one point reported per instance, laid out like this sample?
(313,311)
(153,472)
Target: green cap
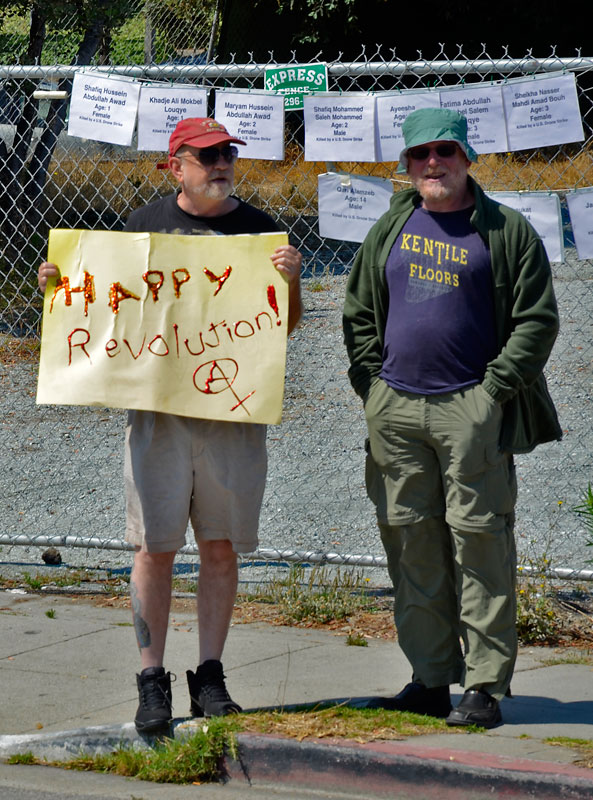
(434,125)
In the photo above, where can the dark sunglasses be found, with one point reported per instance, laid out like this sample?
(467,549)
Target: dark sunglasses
(421,153)
(208,156)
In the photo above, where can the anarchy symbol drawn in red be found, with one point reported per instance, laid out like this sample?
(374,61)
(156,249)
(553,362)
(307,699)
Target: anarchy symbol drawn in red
(212,378)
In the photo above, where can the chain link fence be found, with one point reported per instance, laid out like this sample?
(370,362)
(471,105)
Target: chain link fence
(62,466)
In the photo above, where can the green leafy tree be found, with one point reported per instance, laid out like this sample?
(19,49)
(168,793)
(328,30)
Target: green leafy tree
(24,166)
(181,25)
(332,28)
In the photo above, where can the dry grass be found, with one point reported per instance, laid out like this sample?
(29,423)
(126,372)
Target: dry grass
(341,722)
(584,748)
(290,186)
(103,183)
(14,350)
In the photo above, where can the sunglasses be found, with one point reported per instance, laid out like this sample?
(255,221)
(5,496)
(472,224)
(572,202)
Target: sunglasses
(208,156)
(421,153)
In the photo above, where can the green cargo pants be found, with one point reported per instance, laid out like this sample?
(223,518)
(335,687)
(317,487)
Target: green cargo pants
(445,498)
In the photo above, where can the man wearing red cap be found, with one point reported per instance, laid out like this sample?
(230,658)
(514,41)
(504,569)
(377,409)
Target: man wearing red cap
(217,469)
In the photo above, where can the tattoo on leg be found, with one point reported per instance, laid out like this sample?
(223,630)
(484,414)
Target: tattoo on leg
(140,625)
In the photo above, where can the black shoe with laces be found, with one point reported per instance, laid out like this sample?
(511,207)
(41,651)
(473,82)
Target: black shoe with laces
(208,692)
(154,711)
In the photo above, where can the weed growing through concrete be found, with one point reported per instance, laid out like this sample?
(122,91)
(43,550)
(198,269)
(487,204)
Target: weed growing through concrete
(32,582)
(184,584)
(537,619)
(319,597)
(316,286)
(571,657)
(584,747)
(585,511)
(61,578)
(356,640)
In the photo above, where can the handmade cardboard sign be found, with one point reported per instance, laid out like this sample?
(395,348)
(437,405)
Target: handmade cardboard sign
(189,325)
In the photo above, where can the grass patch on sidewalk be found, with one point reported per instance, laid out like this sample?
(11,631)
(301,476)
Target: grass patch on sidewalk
(343,722)
(194,759)
(584,747)
(198,757)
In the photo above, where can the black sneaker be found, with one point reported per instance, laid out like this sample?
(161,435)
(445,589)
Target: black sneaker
(208,692)
(154,711)
(476,707)
(417,698)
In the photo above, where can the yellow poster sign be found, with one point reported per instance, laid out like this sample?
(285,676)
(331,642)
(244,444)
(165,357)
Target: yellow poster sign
(189,325)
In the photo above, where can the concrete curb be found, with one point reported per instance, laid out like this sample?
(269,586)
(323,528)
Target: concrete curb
(392,768)
(379,769)
(64,745)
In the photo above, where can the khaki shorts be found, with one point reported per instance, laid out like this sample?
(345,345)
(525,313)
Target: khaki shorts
(180,469)
(438,455)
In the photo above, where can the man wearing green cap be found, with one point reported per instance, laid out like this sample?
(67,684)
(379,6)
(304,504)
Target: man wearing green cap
(449,319)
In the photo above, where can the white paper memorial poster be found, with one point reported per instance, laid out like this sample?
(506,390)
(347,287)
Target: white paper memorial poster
(161,107)
(392,109)
(580,208)
(189,325)
(339,127)
(349,205)
(542,111)
(542,209)
(257,119)
(103,109)
(483,107)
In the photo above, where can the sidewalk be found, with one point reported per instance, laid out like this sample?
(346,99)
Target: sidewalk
(68,684)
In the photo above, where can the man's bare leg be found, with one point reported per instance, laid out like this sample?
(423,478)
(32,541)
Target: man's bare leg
(150,593)
(217,590)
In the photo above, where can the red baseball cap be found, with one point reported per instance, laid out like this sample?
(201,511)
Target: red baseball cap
(199,132)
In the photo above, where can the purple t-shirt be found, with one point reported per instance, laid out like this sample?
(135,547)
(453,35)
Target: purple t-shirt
(440,331)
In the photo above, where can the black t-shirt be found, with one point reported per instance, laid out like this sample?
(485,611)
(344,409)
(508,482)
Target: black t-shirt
(165,216)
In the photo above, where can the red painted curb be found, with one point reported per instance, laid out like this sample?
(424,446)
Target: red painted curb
(381,769)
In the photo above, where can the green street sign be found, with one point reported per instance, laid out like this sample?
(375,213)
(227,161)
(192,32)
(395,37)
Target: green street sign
(294,81)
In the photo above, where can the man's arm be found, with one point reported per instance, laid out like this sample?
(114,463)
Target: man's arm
(288,262)
(363,319)
(532,321)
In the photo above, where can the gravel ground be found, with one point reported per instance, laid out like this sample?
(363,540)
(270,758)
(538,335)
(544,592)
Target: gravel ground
(62,465)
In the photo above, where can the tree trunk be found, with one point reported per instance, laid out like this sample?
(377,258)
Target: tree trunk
(15,225)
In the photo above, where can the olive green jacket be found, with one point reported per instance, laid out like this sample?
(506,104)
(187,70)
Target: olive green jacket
(525,311)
